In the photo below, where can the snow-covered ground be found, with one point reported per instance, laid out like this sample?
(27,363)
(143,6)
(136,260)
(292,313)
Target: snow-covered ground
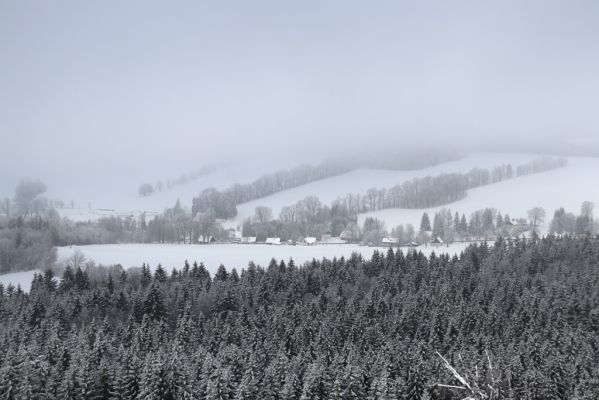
(359,181)
(22,279)
(564,187)
(567,187)
(121,198)
(230,255)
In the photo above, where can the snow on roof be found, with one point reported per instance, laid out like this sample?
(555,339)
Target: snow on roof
(309,240)
(332,240)
(273,240)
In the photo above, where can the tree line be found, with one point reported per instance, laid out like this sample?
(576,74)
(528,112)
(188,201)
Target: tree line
(148,189)
(434,191)
(223,204)
(515,320)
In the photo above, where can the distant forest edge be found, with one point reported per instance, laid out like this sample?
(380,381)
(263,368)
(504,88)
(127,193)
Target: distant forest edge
(517,320)
(418,193)
(304,173)
(30,227)
(223,203)
(148,189)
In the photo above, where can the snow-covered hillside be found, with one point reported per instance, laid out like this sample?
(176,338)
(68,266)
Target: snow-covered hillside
(106,200)
(359,181)
(564,187)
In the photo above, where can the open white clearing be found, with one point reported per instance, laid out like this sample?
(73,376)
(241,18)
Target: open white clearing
(21,278)
(360,180)
(230,255)
(564,187)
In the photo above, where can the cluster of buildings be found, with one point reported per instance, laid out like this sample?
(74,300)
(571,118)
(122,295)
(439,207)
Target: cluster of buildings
(237,237)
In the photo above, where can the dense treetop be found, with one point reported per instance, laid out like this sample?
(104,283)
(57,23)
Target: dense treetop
(517,320)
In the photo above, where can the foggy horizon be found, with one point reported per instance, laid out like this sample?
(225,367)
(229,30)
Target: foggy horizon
(147,90)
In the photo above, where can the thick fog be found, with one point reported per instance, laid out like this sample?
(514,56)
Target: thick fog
(98,90)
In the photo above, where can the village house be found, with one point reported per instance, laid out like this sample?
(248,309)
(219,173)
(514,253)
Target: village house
(437,241)
(309,241)
(273,240)
(389,241)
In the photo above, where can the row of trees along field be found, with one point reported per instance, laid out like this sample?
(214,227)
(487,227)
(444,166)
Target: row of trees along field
(26,229)
(434,191)
(418,193)
(148,189)
(222,204)
(516,320)
(310,217)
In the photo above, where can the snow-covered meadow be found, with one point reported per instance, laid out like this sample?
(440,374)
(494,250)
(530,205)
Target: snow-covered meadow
(21,278)
(109,198)
(564,187)
(360,180)
(230,255)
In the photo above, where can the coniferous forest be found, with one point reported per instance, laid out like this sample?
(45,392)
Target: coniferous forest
(509,320)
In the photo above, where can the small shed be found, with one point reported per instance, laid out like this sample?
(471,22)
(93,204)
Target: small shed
(273,240)
(309,240)
(389,241)
(437,240)
(346,235)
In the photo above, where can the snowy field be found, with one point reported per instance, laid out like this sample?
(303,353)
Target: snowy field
(122,197)
(564,187)
(22,279)
(359,181)
(230,255)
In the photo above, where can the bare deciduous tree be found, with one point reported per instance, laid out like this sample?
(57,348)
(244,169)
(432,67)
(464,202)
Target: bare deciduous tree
(262,214)
(536,216)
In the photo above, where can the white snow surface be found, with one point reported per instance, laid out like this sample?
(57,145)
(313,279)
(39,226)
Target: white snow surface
(360,180)
(564,187)
(121,198)
(567,187)
(230,255)
(22,278)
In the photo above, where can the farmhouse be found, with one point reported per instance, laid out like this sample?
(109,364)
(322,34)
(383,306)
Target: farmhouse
(346,235)
(309,241)
(389,241)
(273,240)
(437,241)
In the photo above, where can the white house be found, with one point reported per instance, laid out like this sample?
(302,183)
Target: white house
(328,239)
(273,240)
(389,241)
(309,240)
(437,241)
(346,235)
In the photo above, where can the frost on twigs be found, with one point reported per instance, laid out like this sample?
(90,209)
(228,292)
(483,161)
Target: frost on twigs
(471,387)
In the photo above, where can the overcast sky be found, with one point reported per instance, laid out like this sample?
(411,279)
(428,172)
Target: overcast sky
(93,87)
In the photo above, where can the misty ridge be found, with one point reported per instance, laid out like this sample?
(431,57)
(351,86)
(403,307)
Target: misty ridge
(268,200)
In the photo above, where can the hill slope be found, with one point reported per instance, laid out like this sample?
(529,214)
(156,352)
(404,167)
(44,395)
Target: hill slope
(564,187)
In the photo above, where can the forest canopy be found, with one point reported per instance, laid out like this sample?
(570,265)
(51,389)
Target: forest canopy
(519,320)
